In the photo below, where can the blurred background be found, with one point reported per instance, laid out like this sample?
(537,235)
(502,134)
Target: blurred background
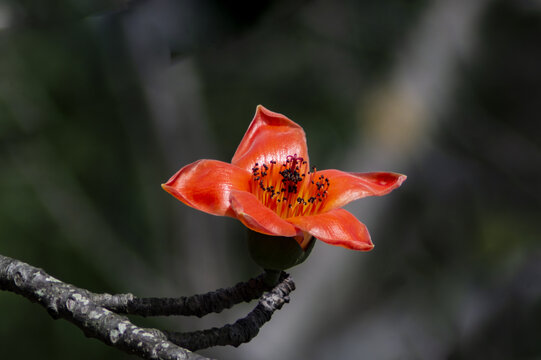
(102,101)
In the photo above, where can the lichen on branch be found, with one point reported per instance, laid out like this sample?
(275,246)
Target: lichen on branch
(98,315)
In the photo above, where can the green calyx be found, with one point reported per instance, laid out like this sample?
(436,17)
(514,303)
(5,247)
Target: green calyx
(277,252)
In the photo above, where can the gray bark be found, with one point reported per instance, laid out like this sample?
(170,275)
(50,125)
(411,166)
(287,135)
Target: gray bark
(96,314)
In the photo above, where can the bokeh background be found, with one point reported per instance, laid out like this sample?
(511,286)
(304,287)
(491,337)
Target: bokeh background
(102,101)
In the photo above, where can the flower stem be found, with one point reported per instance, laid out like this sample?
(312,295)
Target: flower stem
(272,277)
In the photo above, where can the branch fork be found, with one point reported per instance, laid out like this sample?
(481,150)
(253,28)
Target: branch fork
(101,315)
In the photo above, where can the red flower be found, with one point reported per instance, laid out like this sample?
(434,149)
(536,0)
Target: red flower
(270,187)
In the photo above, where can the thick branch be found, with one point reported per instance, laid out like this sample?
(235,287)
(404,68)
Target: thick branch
(75,305)
(243,330)
(93,313)
(198,305)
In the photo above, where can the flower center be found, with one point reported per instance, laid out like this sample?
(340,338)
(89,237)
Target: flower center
(291,188)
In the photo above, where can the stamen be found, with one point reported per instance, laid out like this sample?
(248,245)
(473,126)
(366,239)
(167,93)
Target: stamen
(290,189)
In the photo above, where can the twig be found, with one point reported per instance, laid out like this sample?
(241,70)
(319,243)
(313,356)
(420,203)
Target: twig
(243,330)
(197,305)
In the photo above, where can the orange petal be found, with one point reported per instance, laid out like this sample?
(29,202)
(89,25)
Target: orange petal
(270,136)
(336,227)
(252,213)
(206,184)
(345,187)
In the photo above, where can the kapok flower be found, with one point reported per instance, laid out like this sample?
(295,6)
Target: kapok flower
(271,188)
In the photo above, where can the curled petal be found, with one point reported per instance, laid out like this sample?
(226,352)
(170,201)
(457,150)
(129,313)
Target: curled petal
(257,217)
(271,136)
(206,184)
(345,187)
(336,227)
